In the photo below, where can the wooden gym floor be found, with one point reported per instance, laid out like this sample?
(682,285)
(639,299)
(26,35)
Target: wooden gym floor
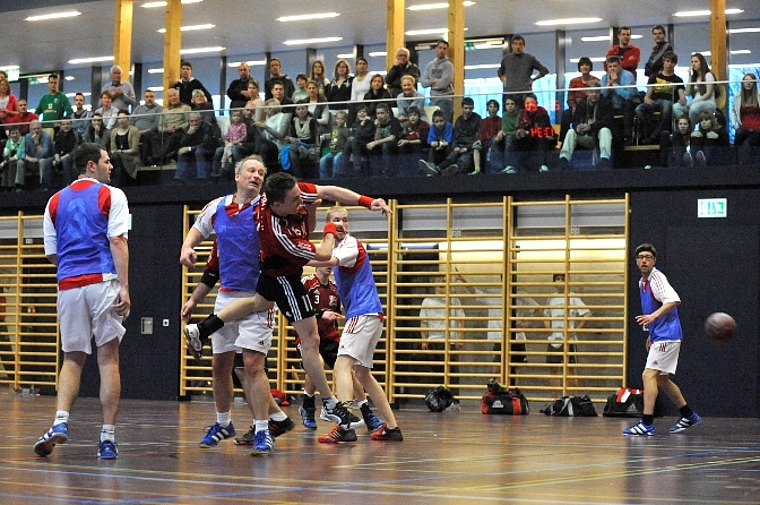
(447,458)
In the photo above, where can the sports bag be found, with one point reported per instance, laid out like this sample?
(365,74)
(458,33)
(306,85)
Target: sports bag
(571,406)
(627,402)
(439,399)
(510,403)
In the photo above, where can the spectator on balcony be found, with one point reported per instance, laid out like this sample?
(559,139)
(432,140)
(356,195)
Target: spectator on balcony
(340,87)
(65,144)
(701,90)
(377,94)
(661,46)
(122,92)
(188,84)
(629,54)
(533,139)
(275,68)
(401,68)
(663,90)
(125,150)
(439,77)
(709,143)
(318,107)
(108,111)
(145,118)
(516,70)
(80,116)
(237,91)
(318,76)
(622,92)
(576,93)
(592,128)
(489,129)
(196,149)
(410,97)
(745,118)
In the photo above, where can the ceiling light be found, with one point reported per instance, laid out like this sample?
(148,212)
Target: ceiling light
(741,51)
(57,15)
(733,31)
(308,17)
(198,50)
(598,38)
(190,28)
(155,70)
(637,36)
(439,5)
(296,42)
(71,95)
(153,5)
(691,14)
(68,78)
(481,67)
(346,56)
(155,88)
(576,60)
(430,31)
(568,21)
(95,59)
(252,63)
(376,54)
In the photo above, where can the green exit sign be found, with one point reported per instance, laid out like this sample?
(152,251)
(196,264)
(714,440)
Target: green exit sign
(712,207)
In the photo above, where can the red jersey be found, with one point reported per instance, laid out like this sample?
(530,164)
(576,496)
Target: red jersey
(324,297)
(285,245)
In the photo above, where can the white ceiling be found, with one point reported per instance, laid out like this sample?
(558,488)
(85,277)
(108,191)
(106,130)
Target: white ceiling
(248,27)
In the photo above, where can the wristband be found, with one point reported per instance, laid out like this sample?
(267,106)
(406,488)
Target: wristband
(365,201)
(330,228)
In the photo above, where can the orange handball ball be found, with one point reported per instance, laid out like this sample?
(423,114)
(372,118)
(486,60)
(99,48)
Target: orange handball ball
(720,328)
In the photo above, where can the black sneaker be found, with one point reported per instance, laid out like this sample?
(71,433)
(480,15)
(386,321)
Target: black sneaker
(277,428)
(371,421)
(341,416)
(386,434)
(247,439)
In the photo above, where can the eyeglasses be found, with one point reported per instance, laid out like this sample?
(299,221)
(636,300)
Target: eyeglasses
(644,257)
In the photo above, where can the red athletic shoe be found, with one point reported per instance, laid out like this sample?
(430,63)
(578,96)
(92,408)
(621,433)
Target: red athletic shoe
(337,435)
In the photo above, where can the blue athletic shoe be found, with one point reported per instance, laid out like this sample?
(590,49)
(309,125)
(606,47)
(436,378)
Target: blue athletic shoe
(107,450)
(264,443)
(58,434)
(307,415)
(370,419)
(640,429)
(686,422)
(216,434)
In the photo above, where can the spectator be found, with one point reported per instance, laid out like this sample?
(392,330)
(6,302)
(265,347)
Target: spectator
(377,94)
(38,157)
(662,90)
(516,70)
(24,117)
(80,116)
(97,132)
(255,104)
(108,111)
(302,141)
(301,92)
(413,137)
(172,126)
(318,76)
(64,145)
(196,149)
(122,92)
(317,104)
(360,84)
(339,91)
(385,144)
(506,136)
(701,89)
(53,106)
(440,137)
(237,91)
(489,129)
(206,109)
(592,128)
(278,92)
(709,143)
(269,136)
(439,77)
(585,66)
(125,150)
(466,131)
(363,134)
(401,68)
(745,117)
(12,153)
(674,149)
(622,92)
(275,67)
(145,118)
(533,138)
(236,134)
(8,103)
(410,97)
(629,54)
(331,164)
(187,84)
(661,46)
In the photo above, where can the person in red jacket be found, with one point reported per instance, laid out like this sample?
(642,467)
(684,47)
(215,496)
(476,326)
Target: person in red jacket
(630,55)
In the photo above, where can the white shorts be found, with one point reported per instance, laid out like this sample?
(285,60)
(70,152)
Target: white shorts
(87,311)
(253,332)
(663,357)
(360,337)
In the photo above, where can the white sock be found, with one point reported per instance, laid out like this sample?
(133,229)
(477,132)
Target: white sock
(61,416)
(108,433)
(224,418)
(331,402)
(261,426)
(360,403)
(278,416)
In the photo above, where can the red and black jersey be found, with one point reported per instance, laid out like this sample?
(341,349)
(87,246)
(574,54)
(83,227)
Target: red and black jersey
(324,297)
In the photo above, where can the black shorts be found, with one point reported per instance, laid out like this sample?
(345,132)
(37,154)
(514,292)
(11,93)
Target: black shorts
(290,295)
(515,347)
(555,355)
(328,349)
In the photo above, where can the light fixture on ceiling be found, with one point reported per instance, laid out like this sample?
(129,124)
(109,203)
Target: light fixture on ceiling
(376,54)
(692,14)
(72,95)
(308,17)
(575,60)
(155,70)
(482,67)
(190,28)
(250,63)
(199,50)
(154,5)
(567,21)
(297,42)
(69,78)
(429,31)
(346,56)
(734,31)
(94,59)
(605,38)
(57,15)
(438,5)
(738,51)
